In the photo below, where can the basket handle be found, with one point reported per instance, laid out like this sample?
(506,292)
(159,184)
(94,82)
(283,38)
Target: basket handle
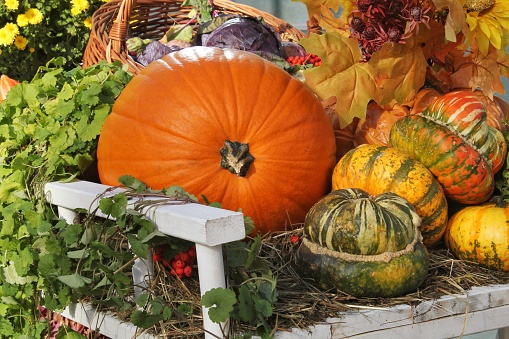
(119,30)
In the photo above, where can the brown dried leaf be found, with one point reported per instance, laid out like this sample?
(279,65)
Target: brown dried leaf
(455,21)
(314,7)
(395,72)
(476,70)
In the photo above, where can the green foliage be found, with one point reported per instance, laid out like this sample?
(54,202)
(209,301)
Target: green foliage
(252,297)
(48,131)
(59,28)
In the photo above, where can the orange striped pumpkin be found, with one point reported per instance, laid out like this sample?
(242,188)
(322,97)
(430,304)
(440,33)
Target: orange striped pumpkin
(481,234)
(453,140)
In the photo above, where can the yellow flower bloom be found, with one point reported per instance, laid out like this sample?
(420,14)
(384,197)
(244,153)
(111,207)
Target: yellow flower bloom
(20,42)
(88,22)
(6,37)
(488,21)
(79,6)
(12,5)
(22,20)
(34,16)
(12,28)
(31,49)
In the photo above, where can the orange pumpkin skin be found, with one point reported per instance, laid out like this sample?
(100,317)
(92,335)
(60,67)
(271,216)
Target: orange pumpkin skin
(480,234)
(171,121)
(423,99)
(376,127)
(6,84)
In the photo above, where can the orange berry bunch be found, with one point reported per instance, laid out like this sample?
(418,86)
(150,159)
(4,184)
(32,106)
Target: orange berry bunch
(181,264)
(308,59)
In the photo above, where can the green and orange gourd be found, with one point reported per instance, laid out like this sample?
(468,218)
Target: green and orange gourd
(378,169)
(481,234)
(452,138)
(363,245)
(225,124)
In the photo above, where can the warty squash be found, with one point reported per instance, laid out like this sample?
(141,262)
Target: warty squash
(225,124)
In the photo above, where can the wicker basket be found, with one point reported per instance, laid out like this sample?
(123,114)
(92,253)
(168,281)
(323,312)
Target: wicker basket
(116,20)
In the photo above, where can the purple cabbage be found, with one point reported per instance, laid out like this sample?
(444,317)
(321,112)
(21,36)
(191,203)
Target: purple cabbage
(155,50)
(247,34)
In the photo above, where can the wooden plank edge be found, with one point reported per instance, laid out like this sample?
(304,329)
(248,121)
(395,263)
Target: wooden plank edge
(101,322)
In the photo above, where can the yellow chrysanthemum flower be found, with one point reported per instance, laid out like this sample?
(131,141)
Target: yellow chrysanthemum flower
(31,49)
(12,5)
(34,16)
(79,6)
(6,36)
(22,20)
(12,28)
(487,21)
(20,42)
(88,22)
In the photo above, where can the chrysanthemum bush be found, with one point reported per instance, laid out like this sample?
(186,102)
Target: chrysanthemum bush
(34,32)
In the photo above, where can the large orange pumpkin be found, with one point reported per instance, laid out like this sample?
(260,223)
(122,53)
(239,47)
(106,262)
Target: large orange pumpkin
(225,124)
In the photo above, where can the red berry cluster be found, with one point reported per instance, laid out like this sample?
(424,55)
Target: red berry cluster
(181,264)
(308,59)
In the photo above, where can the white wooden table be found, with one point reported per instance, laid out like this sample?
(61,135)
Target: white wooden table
(478,310)
(453,316)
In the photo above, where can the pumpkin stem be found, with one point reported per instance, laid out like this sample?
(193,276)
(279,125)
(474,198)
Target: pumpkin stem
(498,200)
(235,157)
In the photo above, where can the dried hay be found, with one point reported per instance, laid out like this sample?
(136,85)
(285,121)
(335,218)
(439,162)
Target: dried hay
(300,304)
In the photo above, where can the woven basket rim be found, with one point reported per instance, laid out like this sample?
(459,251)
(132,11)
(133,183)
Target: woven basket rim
(113,21)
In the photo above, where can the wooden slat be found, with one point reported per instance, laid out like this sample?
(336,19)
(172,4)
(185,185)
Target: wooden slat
(202,224)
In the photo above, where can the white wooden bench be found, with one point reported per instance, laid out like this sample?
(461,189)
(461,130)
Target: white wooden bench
(208,227)
(452,316)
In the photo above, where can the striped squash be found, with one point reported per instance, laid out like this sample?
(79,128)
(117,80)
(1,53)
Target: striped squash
(481,234)
(362,245)
(453,140)
(378,169)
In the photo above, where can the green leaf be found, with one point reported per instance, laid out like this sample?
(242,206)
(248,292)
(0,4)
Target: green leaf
(246,306)
(167,312)
(131,182)
(144,320)
(263,307)
(12,277)
(139,248)
(142,300)
(220,302)
(68,334)
(256,245)
(74,280)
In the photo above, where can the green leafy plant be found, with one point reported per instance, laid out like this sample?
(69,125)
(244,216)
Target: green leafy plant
(48,131)
(34,32)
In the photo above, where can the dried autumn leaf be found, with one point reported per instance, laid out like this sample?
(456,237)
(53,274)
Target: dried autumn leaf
(477,70)
(340,75)
(503,63)
(399,72)
(394,72)
(455,17)
(329,21)
(314,7)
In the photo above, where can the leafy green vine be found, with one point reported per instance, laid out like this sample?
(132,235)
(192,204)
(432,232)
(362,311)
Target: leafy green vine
(48,131)
(49,128)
